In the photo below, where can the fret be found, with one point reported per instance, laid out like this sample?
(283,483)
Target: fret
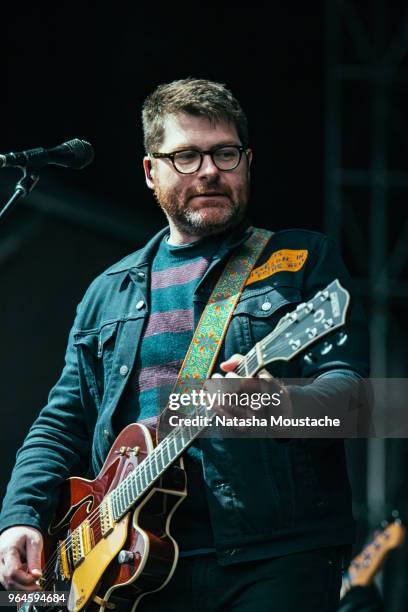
(114,505)
(138,477)
(152,474)
(178,442)
(128,498)
(173,449)
(124,499)
(133,487)
(129,490)
(143,475)
(166,454)
(185,438)
(155,453)
(159,458)
(118,508)
(194,430)
(122,495)
(253,364)
(121,504)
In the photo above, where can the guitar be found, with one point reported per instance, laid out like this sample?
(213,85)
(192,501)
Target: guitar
(110,536)
(364,567)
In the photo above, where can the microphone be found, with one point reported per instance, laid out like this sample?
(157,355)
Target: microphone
(72,154)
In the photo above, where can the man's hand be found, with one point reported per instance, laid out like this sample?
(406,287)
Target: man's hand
(253,387)
(232,363)
(20,558)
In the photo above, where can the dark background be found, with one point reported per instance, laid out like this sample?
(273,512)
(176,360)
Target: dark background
(83,70)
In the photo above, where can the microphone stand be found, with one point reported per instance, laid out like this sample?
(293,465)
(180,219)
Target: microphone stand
(24,186)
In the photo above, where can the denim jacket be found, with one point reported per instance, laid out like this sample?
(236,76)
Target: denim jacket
(265,498)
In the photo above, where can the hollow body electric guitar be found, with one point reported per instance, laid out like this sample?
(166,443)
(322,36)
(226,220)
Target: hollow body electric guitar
(111,536)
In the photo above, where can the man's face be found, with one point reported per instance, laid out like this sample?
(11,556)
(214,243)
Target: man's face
(209,200)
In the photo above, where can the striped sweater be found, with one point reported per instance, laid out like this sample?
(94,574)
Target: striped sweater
(176,271)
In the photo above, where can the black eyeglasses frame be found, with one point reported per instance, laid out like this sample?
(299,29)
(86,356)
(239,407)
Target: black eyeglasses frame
(240,148)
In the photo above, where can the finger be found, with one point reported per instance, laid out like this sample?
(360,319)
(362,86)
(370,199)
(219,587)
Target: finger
(22,580)
(264,374)
(11,560)
(14,570)
(33,553)
(232,375)
(232,363)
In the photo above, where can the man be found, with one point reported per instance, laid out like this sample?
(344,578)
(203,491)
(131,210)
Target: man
(266,523)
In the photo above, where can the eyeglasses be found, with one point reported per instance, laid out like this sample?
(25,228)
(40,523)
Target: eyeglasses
(188,161)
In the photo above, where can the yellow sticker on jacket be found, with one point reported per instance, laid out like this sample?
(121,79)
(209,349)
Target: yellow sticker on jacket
(285,260)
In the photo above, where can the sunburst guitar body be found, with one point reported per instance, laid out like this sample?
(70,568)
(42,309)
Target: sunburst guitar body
(97,547)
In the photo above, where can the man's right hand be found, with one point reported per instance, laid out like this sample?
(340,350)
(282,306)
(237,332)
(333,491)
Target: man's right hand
(20,558)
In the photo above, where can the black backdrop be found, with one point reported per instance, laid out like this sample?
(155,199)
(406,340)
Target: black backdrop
(82,70)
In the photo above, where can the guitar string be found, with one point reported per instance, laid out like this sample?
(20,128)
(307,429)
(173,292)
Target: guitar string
(147,464)
(93,517)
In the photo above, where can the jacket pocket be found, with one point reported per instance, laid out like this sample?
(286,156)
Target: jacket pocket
(95,355)
(257,314)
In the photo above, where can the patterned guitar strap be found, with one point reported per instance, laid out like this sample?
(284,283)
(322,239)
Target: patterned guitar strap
(212,326)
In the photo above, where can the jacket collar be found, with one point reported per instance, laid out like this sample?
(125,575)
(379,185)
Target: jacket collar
(144,256)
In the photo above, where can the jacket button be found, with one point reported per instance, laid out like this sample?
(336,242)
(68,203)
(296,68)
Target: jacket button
(124,370)
(266,306)
(140,305)
(141,275)
(106,434)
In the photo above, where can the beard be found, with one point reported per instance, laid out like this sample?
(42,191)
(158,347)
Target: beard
(210,219)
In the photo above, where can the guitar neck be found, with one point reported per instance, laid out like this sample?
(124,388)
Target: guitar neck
(297,330)
(167,451)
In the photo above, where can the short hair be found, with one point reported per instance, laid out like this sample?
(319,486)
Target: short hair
(199,97)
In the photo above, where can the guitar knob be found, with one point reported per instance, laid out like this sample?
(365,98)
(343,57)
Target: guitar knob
(126,556)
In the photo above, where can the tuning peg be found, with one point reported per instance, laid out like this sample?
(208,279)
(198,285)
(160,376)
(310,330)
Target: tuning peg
(294,344)
(311,331)
(341,339)
(327,347)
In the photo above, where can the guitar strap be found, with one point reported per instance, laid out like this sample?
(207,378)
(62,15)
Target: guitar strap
(212,326)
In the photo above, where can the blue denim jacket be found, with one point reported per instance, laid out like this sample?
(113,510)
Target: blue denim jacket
(265,498)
